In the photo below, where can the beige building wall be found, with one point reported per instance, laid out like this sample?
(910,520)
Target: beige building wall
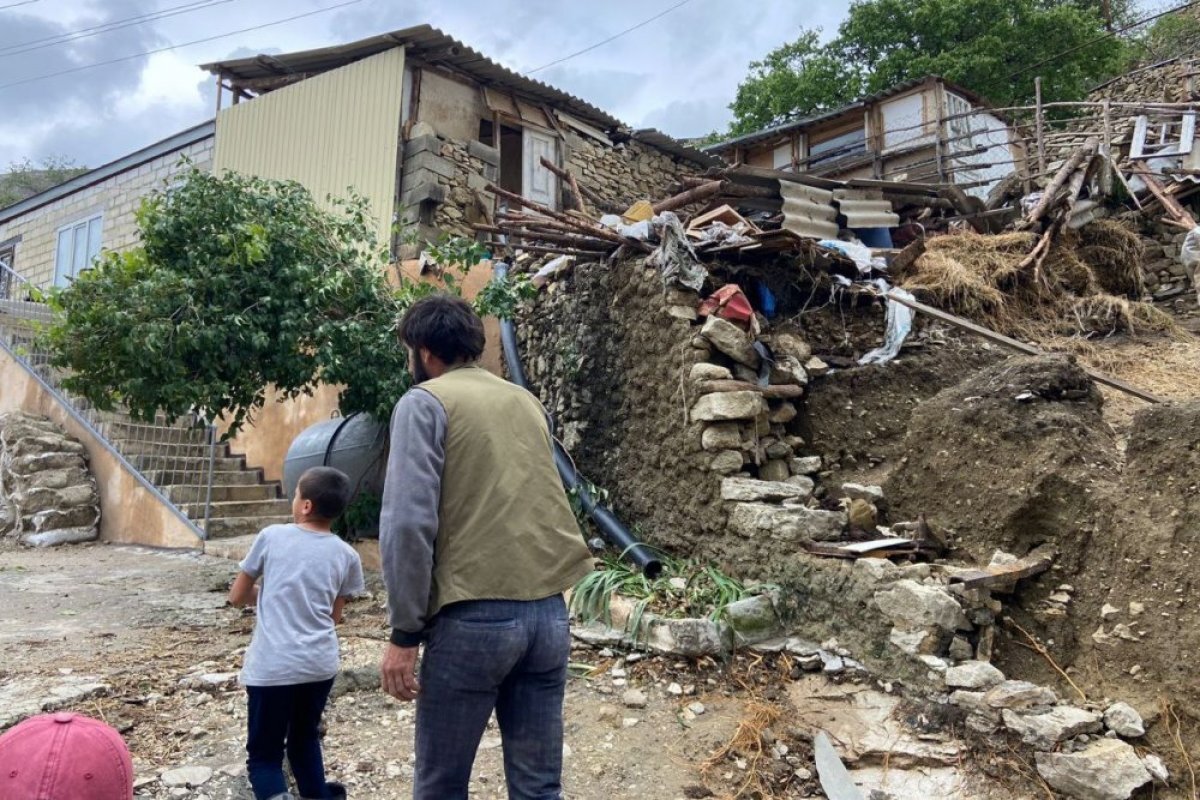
(332,132)
(129,512)
(117,198)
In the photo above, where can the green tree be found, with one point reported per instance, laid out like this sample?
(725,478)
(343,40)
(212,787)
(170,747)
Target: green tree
(994,47)
(240,283)
(25,179)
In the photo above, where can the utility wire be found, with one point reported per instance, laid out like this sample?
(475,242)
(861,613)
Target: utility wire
(114,25)
(1098,39)
(14,5)
(176,46)
(641,24)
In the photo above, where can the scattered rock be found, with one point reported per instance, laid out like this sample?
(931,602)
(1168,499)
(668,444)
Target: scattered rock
(1020,695)
(634,698)
(704,371)
(973,675)
(1046,729)
(186,777)
(727,461)
(815,367)
(724,406)
(752,620)
(774,469)
(1106,769)
(809,465)
(912,606)
(690,638)
(1124,720)
(721,436)
(1108,612)
(858,491)
(961,650)
(731,340)
(1157,769)
(788,523)
(750,490)
(1136,609)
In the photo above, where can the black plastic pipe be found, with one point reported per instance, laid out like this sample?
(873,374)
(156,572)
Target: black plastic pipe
(628,545)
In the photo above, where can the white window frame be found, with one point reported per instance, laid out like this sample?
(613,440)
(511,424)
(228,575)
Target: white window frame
(1173,136)
(960,130)
(68,253)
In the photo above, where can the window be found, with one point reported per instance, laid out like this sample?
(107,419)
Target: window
(7,280)
(781,157)
(78,246)
(1165,135)
(960,133)
(844,145)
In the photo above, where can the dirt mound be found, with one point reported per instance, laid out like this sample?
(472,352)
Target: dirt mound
(1009,459)
(985,278)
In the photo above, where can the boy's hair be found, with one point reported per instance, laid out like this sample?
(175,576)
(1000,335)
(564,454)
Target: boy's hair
(328,489)
(445,325)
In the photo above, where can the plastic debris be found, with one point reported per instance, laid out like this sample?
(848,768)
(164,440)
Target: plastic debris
(899,323)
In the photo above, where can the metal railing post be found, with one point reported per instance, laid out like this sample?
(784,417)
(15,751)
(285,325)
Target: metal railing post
(208,487)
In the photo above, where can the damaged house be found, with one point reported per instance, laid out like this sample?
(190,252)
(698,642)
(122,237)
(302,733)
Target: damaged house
(927,130)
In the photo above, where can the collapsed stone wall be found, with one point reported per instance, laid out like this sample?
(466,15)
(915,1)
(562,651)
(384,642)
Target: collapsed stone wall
(47,494)
(625,173)
(444,181)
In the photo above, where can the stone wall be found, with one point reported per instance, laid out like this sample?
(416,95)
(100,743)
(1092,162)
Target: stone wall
(641,395)
(116,198)
(626,172)
(47,493)
(444,181)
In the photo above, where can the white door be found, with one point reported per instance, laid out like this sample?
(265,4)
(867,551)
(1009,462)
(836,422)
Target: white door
(538,183)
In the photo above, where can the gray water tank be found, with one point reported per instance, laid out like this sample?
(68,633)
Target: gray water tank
(355,444)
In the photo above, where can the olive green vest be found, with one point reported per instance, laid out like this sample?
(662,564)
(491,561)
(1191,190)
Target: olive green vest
(506,530)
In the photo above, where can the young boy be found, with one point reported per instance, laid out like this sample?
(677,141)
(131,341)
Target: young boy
(307,574)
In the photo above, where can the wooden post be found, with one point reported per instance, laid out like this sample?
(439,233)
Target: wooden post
(1038,122)
(1106,176)
(220,88)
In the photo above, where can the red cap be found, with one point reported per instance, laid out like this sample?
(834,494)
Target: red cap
(64,756)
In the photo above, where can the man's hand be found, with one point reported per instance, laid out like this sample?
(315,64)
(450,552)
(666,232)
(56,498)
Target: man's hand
(399,672)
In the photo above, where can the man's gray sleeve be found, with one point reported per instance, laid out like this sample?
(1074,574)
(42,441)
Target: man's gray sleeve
(408,519)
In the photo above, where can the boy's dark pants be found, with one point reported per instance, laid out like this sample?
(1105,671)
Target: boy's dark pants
(286,718)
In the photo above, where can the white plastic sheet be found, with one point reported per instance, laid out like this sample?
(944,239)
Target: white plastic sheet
(899,324)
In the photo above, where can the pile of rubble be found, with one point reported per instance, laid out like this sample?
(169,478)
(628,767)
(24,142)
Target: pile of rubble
(47,494)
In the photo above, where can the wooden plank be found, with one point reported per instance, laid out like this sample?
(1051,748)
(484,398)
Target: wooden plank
(1035,563)
(1028,349)
(1177,212)
(776,391)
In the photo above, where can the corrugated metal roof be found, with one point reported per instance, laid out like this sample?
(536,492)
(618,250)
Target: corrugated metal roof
(660,140)
(422,41)
(123,164)
(823,116)
(865,209)
(808,211)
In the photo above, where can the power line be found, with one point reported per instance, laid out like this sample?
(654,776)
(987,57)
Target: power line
(176,46)
(14,5)
(641,24)
(114,25)
(1098,39)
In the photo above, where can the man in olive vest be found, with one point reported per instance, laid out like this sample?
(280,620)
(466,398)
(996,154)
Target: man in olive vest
(478,544)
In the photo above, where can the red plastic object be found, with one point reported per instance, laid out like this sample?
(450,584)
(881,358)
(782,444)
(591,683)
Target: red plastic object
(729,302)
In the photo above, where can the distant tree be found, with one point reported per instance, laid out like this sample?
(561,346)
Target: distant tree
(994,47)
(1170,37)
(25,179)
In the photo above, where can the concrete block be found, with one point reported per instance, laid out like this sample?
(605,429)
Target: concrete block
(422,192)
(422,144)
(485,153)
(430,161)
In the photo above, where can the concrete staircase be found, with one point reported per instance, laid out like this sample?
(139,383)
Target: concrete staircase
(174,458)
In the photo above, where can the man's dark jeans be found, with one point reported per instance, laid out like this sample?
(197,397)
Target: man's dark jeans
(286,719)
(506,655)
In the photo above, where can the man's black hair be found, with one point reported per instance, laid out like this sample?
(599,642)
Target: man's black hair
(328,489)
(445,325)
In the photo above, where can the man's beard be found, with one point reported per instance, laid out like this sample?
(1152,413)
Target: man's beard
(419,373)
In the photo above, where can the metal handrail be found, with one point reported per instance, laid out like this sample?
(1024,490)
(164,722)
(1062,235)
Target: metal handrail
(153,453)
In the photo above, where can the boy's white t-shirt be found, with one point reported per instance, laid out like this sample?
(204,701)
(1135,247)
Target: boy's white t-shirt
(303,573)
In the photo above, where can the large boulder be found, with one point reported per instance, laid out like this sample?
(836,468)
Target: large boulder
(1106,769)
(47,494)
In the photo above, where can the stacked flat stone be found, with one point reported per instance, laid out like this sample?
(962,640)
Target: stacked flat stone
(48,496)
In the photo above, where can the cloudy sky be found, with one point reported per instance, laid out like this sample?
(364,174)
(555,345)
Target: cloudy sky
(677,73)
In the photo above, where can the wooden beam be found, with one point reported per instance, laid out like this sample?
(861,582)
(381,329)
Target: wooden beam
(1178,213)
(1027,349)
(776,391)
(1006,575)
(693,195)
